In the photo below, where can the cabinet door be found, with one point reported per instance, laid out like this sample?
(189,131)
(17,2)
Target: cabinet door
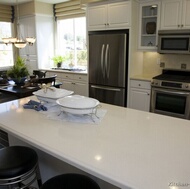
(140,99)
(97,17)
(81,89)
(68,85)
(119,15)
(171,14)
(27,29)
(149,25)
(186,14)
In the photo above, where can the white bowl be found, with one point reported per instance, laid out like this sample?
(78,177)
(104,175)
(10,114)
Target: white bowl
(52,95)
(77,104)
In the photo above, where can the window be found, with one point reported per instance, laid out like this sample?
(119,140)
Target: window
(6,51)
(72,42)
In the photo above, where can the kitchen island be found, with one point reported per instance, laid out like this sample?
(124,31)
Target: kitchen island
(128,148)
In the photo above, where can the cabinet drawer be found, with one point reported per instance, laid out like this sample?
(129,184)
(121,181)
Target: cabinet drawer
(67,76)
(80,77)
(140,84)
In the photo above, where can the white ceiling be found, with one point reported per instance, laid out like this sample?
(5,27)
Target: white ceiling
(14,2)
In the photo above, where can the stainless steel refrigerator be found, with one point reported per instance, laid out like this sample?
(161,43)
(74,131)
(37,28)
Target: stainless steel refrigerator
(108,66)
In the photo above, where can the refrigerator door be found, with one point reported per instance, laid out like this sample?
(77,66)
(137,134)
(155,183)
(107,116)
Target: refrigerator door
(107,59)
(110,95)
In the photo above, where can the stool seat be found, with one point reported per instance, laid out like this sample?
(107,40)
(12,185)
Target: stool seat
(19,167)
(70,181)
(16,160)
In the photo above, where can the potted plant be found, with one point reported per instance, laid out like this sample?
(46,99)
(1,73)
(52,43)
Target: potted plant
(58,60)
(19,72)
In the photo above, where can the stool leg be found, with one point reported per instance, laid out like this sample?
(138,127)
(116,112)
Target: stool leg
(39,180)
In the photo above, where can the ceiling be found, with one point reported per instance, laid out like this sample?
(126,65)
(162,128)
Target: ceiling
(14,2)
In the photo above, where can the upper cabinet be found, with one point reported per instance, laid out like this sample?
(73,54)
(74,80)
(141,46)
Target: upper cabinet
(149,24)
(175,14)
(109,16)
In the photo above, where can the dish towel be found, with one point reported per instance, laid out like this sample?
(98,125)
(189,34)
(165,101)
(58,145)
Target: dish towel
(35,105)
(55,112)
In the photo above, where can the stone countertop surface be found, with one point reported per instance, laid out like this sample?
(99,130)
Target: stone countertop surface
(143,77)
(128,148)
(65,71)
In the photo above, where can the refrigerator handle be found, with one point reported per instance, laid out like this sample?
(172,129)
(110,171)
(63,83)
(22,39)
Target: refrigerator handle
(106,88)
(107,61)
(102,61)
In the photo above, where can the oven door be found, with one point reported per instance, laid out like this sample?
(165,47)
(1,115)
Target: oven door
(170,102)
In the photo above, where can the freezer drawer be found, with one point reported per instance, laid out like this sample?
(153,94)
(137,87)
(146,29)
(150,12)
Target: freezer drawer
(110,95)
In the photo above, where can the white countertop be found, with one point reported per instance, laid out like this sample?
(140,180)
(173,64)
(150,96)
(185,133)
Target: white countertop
(143,77)
(65,71)
(128,148)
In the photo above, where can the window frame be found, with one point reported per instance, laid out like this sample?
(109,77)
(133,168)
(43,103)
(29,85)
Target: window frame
(57,40)
(14,51)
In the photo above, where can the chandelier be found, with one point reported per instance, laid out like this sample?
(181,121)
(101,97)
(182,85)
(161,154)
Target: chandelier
(18,41)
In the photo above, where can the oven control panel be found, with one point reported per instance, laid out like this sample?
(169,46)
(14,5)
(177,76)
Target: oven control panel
(170,84)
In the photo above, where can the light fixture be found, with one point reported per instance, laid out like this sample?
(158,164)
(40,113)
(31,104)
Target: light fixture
(19,42)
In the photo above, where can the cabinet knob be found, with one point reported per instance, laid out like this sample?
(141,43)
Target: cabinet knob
(105,24)
(139,85)
(108,24)
(148,94)
(178,26)
(182,25)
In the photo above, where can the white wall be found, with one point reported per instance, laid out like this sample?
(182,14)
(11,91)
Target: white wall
(173,61)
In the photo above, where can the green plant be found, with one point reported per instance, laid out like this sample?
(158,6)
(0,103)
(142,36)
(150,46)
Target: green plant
(19,70)
(58,59)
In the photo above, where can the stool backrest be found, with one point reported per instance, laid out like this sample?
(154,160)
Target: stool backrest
(39,73)
(48,80)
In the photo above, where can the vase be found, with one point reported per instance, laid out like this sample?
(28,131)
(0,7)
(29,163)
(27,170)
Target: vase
(150,27)
(19,81)
(59,64)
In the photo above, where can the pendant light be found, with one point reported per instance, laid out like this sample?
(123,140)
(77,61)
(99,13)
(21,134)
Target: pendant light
(19,42)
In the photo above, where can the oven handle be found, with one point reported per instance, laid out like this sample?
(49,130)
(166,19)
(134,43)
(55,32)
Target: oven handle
(171,92)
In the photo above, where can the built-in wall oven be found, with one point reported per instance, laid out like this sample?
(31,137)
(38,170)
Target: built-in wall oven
(170,94)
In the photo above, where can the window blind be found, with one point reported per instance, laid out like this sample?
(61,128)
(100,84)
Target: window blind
(69,9)
(6,13)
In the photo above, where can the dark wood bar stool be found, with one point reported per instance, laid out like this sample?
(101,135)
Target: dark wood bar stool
(19,167)
(70,181)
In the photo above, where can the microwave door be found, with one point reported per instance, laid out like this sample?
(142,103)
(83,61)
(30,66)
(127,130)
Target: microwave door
(174,44)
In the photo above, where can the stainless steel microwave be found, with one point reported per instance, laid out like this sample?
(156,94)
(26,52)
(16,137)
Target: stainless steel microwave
(174,41)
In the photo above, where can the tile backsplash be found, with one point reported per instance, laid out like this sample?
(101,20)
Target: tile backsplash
(153,62)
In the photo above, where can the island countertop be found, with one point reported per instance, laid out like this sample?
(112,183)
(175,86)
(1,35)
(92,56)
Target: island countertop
(128,148)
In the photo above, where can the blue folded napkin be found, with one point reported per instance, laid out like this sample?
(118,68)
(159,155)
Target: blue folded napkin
(34,105)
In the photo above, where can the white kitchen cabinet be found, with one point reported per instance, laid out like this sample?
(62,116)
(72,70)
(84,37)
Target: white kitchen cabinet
(72,81)
(140,95)
(115,15)
(29,53)
(36,20)
(175,14)
(149,24)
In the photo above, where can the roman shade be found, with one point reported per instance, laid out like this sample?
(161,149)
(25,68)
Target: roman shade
(6,13)
(69,9)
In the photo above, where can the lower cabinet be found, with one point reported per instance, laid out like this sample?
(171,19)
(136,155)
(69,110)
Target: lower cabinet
(139,98)
(72,81)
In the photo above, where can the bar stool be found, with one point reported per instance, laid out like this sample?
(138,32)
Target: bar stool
(19,167)
(70,181)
